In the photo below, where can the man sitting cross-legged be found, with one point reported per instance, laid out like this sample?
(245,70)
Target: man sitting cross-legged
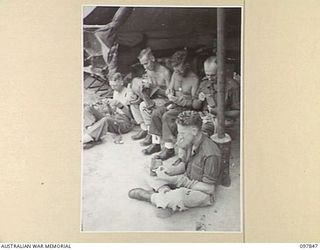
(196,186)
(112,115)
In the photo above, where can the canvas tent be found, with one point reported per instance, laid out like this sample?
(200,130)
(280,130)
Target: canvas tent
(163,29)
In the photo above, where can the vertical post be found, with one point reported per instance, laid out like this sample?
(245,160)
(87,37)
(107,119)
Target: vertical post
(221,74)
(222,139)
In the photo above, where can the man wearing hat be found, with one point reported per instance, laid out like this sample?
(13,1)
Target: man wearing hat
(151,89)
(181,94)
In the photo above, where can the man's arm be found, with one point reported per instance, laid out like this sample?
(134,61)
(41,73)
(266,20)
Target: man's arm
(206,185)
(233,94)
(167,78)
(170,85)
(229,113)
(183,181)
(122,106)
(197,101)
(195,87)
(175,170)
(232,113)
(211,171)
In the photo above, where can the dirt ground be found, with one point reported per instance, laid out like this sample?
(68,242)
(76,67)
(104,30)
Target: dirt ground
(110,170)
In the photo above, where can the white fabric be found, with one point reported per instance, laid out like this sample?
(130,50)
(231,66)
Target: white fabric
(122,96)
(156,139)
(168,145)
(143,126)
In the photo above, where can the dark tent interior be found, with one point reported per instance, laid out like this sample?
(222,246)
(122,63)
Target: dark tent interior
(164,30)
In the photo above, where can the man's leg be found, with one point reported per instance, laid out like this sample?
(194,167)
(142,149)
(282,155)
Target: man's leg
(96,113)
(169,133)
(155,185)
(119,124)
(142,133)
(170,201)
(146,115)
(93,134)
(181,199)
(155,130)
(98,130)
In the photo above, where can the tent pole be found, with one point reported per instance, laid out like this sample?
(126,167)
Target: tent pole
(222,139)
(221,71)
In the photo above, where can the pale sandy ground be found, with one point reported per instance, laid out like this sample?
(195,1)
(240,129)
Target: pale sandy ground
(111,170)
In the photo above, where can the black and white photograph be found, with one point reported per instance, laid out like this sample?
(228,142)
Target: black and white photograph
(162,119)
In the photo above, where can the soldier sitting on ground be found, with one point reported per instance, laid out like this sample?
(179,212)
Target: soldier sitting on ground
(111,115)
(195,187)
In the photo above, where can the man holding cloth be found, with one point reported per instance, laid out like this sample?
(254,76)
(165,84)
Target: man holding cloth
(196,186)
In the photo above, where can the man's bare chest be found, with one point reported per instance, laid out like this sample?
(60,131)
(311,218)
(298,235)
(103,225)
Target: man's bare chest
(184,84)
(157,78)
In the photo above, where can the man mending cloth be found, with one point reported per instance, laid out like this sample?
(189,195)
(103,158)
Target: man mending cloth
(196,186)
(152,90)
(208,90)
(181,93)
(113,115)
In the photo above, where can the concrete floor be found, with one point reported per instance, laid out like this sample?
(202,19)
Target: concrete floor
(110,170)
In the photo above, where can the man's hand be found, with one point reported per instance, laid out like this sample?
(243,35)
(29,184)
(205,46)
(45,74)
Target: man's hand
(169,92)
(146,83)
(169,170)
(162,175)
(176,169)
(172,98)
(201,96)
(132,98)
(170,106)
(114,103)
(212,110)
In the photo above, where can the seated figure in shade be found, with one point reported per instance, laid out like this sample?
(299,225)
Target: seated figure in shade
(181,94)
(151,90)
(208,90)
(111,115)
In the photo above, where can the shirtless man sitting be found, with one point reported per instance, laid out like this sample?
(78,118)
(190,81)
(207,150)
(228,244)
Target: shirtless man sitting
(182,94)
(151,91)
